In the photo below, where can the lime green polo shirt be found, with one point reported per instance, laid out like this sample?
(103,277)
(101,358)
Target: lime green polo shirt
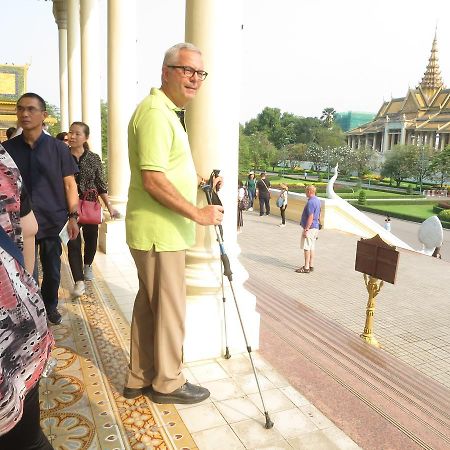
(157,141)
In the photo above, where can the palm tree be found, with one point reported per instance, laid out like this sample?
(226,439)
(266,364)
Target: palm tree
(328,116)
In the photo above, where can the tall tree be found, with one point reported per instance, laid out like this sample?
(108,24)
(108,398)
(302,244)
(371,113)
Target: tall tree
(440,164)
(364,159)
(316,155)
(328,116)
(399,163)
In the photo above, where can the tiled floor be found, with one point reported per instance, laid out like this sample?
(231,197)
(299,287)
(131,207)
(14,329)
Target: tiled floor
(233,418)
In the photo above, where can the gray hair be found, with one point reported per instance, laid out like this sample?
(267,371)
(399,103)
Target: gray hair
(171,55)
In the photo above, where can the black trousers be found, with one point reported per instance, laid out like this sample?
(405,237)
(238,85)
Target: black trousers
(76,260)
(27,434)
(49,251)
(283,214)
(264,204)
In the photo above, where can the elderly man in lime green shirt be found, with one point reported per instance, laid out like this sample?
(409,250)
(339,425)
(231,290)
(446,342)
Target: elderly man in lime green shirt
(160,226)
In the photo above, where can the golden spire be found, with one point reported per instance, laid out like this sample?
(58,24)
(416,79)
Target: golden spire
(432,79)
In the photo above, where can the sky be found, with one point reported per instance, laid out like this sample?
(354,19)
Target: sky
(298,55)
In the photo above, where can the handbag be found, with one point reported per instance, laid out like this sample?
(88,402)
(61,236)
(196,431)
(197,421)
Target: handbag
(280,201)
(89,208)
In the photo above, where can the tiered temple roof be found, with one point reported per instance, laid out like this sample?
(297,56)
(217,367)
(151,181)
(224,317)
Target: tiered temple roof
(425,108)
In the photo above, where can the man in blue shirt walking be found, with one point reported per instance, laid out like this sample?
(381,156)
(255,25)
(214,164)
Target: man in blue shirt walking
(47,169)
(310,224)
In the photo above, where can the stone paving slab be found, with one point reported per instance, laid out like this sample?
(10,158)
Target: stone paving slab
(411,317)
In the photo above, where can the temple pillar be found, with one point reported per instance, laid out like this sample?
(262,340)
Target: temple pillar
(121,94)
(60,14)
(366,142)
(403,134)
(74,59)
(121,104)
(213,124)
(90,72)
(385,142)
(374,141)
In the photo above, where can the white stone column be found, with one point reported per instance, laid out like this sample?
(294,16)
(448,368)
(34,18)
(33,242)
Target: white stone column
(60,13)
(121,104)
(90,72)
(374,142)
(386,138)
(403,134)
(121,94)
(366,142)
(74,59)
(213,126)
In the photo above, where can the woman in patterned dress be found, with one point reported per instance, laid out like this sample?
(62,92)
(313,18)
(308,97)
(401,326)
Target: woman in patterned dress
(25,340)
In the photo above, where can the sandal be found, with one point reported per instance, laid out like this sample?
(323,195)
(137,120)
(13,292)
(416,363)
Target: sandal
(311,268)
(303,270)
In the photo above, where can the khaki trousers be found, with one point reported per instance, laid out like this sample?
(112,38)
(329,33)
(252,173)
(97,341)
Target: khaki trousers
(157,327)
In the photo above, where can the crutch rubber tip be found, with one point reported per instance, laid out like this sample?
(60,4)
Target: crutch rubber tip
(269,424)
(227,354)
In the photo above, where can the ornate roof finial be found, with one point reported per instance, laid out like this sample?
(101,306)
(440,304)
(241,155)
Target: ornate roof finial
(432,79)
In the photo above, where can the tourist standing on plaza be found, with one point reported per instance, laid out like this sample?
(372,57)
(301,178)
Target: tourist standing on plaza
(263,193)
(89,179)
(387,223)
(282,202)
(310,224)
(160,226)
(47,169)
(251,189)
(24,336)
(241,206)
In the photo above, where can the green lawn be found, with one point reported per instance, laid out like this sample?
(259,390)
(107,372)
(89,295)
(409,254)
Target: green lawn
(421,212)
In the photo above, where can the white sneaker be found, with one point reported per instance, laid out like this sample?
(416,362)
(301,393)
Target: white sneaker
(78,289)
(250,209)
(282,225)
(88,273)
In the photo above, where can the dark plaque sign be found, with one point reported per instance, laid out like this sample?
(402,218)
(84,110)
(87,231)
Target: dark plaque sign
(377,259)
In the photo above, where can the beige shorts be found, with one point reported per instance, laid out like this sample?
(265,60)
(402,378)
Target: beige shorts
(309,242)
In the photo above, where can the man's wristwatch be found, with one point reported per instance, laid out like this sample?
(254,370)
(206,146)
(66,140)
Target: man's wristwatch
(73,215)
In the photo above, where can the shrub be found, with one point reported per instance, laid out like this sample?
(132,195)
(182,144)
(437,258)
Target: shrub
(444,205)
(362,199)
(445,215)
(409,189)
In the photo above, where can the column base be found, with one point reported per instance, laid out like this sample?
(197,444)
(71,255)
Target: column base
(205,325)
(111,236)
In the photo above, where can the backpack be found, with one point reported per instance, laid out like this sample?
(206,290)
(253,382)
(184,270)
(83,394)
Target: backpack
(245,202)
(280,201)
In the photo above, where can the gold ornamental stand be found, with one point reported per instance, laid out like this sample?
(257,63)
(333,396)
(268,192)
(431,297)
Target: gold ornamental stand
(373,286)
(378,261)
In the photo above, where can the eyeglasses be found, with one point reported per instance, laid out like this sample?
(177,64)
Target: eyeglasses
(189,72)
(30,109)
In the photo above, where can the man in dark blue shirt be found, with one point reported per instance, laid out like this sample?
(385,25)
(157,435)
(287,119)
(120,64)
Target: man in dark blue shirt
(47,169)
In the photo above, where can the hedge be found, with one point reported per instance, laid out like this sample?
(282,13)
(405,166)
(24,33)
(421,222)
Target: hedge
(406,201)
(397,215)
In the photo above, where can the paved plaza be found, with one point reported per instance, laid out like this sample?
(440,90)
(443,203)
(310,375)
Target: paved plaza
(411,317)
